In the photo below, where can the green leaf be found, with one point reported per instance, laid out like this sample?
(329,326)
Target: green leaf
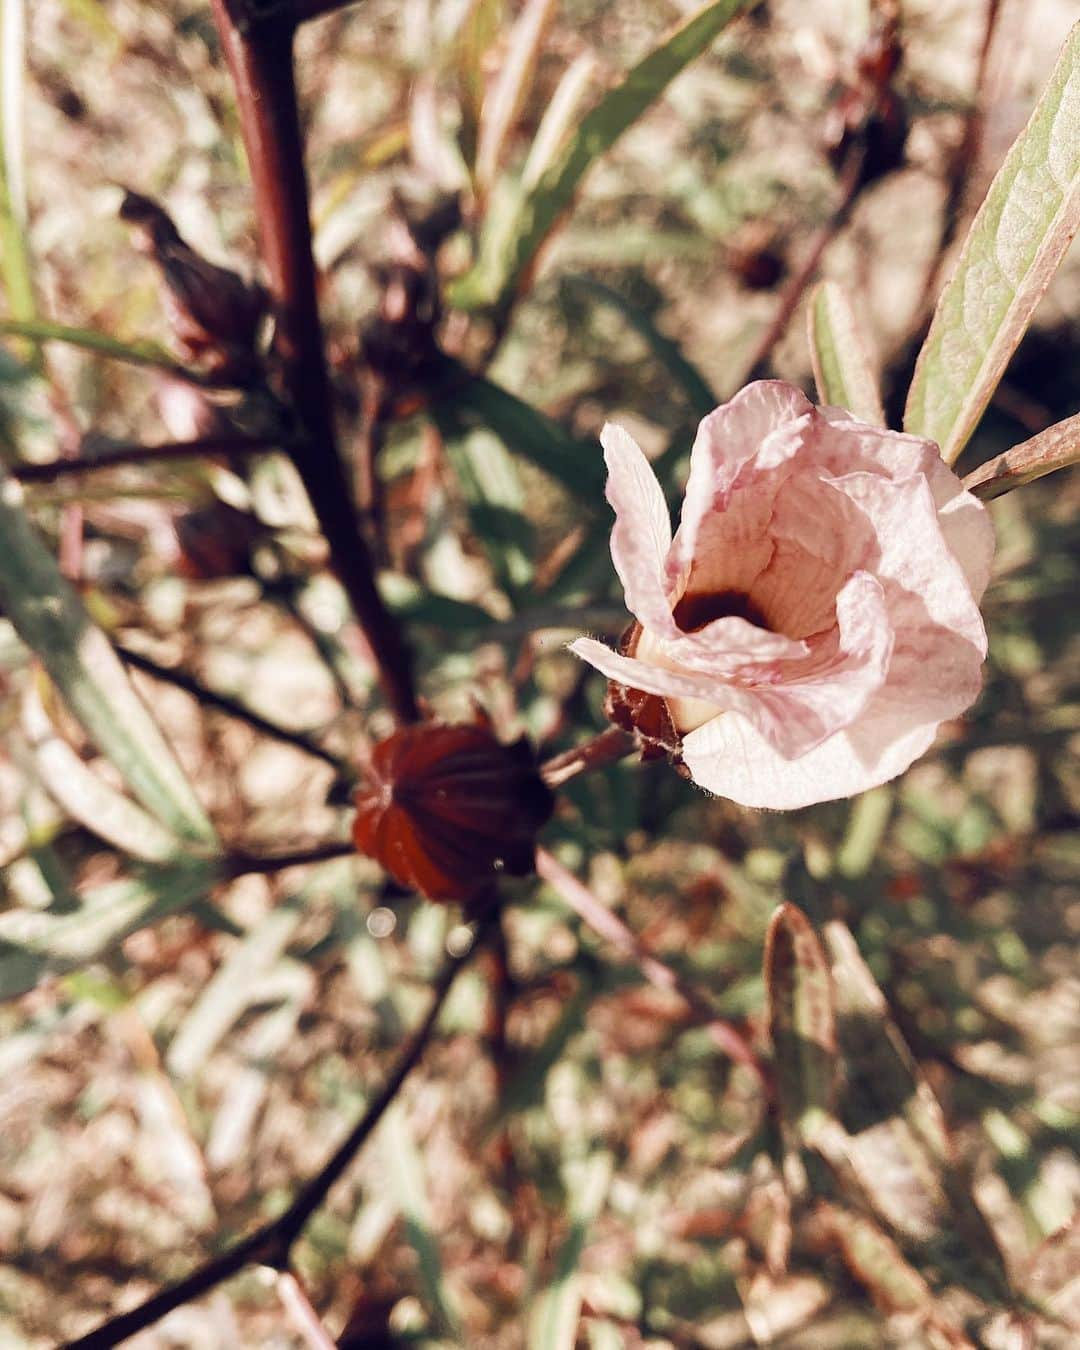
(801,1019)
(522,220)
(50,617)
(473,401)
(875,1261)
(1015,243)
(138,353)
(16,264)
(842,370)
(87,797)
(1058,447)
(34,944)
(558,1307)
(409,1184)
(667,351)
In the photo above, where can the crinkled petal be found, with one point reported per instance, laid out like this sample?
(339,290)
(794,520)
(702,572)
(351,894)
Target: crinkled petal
(764,423)
(796,713)
(941,640)
(730,757)
(641,536)
(725,646)
(965,522)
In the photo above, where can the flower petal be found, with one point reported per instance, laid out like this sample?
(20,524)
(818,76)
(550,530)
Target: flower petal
(641,536)
(965,522)
(727,440)
(730,757)
(794,713)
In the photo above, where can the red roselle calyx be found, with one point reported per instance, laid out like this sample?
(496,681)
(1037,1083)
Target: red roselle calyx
(447,809)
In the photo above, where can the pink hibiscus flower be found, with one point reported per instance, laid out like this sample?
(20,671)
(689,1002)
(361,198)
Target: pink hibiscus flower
(815,617)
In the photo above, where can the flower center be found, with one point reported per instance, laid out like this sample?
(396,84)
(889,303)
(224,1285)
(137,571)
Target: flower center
(693,612)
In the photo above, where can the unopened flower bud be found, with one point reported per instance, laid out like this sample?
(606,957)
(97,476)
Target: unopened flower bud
(446,809)
(213,311)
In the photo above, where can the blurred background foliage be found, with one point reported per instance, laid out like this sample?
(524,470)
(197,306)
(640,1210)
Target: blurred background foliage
(577,1163)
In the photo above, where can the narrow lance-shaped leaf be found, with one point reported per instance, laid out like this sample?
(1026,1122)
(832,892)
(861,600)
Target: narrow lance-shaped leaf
(522,222)
(87,797)
(1015,243)
(138,353)
(51,619)
(801,1019)
(16,266)
(842,370)
(1058,447)
(667,351)
(558,1309)
(510,87)
(34,944)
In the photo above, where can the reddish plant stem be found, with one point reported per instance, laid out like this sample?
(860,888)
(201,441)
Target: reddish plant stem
(850,186)
(610,927)
(605,748)
(301,1313)
(241,864)
(225,447)
(271,1245)
(260,57)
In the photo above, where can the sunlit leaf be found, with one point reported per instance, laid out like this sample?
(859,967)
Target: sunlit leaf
(522,220)
(16,264)
(1012,250)
(842,369)
(1053,1277)
(517,69)
(89,339)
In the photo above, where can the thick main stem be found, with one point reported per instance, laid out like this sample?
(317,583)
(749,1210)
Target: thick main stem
(260,57)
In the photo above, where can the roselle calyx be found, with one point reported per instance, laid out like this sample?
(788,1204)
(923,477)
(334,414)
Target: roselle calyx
(448,809)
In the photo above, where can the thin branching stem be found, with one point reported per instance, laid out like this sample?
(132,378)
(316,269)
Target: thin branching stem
(610,927)
(212,447)
(271,1245)
(232,707)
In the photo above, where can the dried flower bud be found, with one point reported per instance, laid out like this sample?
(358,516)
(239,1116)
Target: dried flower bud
(214,313)
(446,808)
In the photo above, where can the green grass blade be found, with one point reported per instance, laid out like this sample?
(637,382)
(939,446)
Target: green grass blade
(522,221)
(842,371)
(137,353)
(1015,243)
(51,619)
